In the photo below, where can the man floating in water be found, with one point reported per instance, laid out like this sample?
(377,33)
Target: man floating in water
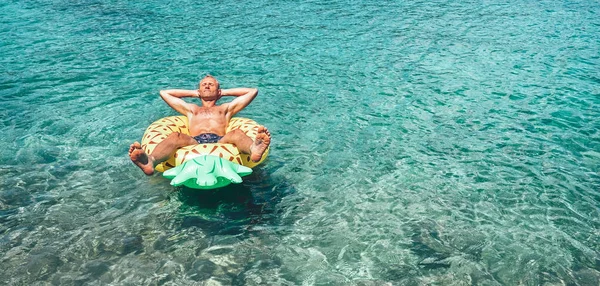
(207,124)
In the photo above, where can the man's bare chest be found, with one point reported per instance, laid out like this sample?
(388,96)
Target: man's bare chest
(209,113)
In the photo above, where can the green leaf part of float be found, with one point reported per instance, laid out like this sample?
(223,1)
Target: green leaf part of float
(207,172)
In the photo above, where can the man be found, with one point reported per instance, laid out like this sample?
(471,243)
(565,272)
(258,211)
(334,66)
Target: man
(207,124)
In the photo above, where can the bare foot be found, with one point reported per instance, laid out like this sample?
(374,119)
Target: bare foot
(262,141)
(141,159)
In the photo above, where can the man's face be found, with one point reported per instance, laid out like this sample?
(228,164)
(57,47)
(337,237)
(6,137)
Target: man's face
(209,89)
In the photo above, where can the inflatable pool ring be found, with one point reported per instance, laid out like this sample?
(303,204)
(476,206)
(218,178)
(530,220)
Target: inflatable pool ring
(202,166)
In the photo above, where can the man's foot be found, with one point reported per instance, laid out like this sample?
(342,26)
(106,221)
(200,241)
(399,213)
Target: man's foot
(141,159)
(262,141)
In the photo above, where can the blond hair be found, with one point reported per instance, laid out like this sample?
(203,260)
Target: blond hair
(210,76)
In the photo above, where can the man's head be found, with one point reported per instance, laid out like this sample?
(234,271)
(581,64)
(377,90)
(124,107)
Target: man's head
(208,88)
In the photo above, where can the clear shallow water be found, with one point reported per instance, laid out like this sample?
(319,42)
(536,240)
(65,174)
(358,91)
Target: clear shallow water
(414,143)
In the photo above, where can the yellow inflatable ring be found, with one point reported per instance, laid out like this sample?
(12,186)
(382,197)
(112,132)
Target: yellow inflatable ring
(160,129)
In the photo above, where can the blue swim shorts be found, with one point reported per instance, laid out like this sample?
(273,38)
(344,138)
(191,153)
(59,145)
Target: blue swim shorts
(207,138)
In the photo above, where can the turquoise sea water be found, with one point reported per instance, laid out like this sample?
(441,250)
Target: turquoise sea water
(414,143)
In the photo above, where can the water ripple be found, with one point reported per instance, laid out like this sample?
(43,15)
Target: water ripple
(414,143)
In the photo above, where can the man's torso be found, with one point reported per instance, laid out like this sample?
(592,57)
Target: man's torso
(208,120)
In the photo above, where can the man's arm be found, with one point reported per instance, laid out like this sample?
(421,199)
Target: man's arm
(243,97)
(173,98)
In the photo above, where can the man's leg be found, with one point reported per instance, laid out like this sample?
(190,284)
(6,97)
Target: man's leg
(245,144)
(161,153)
